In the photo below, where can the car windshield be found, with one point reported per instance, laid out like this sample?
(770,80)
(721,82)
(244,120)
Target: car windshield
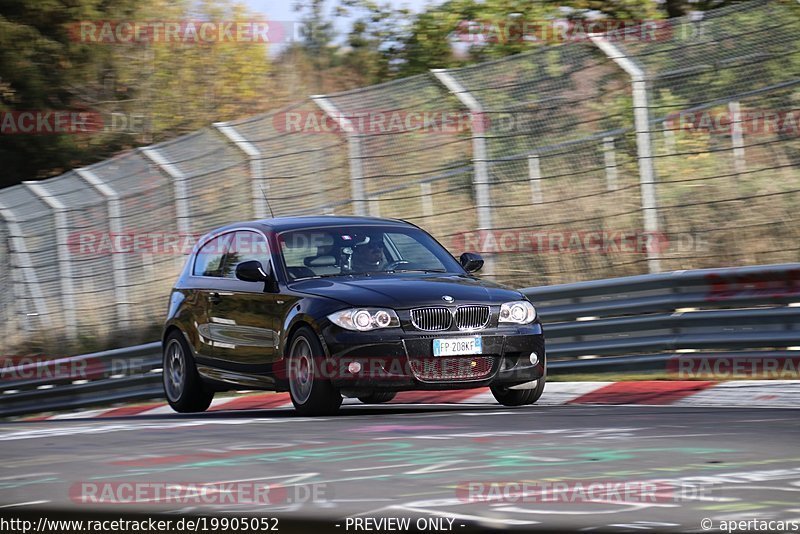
(356,250)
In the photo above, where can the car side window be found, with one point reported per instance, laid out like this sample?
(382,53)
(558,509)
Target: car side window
(410,250)
(309,253)
(208,260)
(245,246)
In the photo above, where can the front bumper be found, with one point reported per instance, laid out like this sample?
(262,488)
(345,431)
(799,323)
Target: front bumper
(400,360)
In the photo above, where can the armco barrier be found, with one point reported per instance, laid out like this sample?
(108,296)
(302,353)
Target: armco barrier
(127,374)
(635,323)
(640,322)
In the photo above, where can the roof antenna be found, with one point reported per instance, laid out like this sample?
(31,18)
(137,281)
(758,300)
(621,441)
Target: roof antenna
(272,215)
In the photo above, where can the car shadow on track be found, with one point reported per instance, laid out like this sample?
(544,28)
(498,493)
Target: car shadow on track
(347,411)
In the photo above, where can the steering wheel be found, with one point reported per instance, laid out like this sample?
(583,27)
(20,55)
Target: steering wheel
(395,264)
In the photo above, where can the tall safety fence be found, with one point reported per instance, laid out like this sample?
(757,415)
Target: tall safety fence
(671,146)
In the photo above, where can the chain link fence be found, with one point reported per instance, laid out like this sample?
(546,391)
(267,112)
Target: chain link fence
(610,156)
(724,104)
(559,164)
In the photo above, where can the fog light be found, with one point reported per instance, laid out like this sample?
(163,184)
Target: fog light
(534,358)
(354,367)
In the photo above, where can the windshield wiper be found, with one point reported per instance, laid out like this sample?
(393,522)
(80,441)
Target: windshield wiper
(417,271)
(367,273)
(318,276)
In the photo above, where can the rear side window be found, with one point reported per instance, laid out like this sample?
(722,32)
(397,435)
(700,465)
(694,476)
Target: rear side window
(208,261)
(245,246)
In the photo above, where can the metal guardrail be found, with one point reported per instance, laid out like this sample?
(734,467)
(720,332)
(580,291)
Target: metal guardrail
(646,322)
(101,378)
(637,323)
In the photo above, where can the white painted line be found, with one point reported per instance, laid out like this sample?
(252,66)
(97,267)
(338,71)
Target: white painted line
(434,468)
(80,415)
(378,467)
(28,503)
(484,397)
(159,410)
(27,475)
(556,393)
(216,403)
(747,393)
(362,500)
(733,394)
(291,479)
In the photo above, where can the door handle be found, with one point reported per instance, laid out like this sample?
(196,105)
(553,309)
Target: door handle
(214,298)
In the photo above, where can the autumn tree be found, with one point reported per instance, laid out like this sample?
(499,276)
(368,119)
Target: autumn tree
(157,89)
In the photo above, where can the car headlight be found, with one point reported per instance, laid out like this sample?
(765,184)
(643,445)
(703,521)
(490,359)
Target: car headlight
(363,319)
(519,312)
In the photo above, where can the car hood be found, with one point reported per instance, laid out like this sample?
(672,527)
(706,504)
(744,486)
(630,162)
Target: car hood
(406,290)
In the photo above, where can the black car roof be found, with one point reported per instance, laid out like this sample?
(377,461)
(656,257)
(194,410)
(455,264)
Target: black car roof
(281,224)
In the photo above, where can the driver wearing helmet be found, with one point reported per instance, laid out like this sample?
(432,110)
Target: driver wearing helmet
(368,256)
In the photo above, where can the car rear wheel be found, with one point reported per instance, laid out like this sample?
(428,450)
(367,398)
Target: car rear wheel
(377,397)
(311,393)
(518,397)
(182,385)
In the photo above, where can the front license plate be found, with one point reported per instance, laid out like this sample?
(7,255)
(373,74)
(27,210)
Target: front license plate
(456,346)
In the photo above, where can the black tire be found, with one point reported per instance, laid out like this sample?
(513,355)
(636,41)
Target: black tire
(312,393)
(377,397)
(518,397)
(183,387)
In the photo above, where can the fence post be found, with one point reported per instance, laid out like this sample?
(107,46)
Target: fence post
(24,267)
(610,160)
(535,178)
(117,258)
(480,158)
(179,181)
(259,184)
(354,151)
(669,139)
(374,207)
(737,138)
(425,192)
(643,142)
(64,255)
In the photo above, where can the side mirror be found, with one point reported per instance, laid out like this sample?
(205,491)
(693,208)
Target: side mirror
(471,262)
(251,271)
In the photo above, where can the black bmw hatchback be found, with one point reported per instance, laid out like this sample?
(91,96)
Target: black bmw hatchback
(326,307)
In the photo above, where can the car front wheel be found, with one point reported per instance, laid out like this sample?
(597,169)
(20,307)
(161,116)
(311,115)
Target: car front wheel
(311,392)
(518,397)
(182,385)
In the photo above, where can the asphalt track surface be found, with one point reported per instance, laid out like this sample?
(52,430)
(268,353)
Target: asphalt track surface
(410,461)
